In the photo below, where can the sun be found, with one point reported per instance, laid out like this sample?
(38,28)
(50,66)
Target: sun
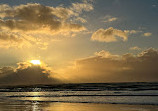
(35,62)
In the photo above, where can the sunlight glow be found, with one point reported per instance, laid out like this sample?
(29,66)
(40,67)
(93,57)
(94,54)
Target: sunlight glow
(35,62)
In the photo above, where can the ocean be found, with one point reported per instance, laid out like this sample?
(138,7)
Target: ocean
(45,97)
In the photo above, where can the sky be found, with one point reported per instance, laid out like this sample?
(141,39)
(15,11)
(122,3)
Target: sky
(78,41)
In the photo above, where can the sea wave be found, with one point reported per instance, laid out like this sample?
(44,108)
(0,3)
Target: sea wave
(105,93)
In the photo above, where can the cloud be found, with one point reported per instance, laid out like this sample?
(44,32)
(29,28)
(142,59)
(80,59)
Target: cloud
(6,70)
(154,6)
(147,34)
(106,67)
(9,37)
(109,18)
(109,35)
(82,20)
(113,35)
(106,54)
(19,40)
(35,19)
(80,7)
(129,32)
(135,48)
(26,74)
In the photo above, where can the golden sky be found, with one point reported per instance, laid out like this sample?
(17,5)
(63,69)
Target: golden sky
(78,41)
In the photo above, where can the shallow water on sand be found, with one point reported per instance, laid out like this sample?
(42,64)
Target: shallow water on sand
(57,106)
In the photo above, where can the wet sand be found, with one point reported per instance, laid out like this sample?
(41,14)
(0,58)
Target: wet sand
(99,107)
(55,106)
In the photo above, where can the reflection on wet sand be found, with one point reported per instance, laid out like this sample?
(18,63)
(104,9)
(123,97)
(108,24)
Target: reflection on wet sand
(22,106)
(98,107)
(55,106)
